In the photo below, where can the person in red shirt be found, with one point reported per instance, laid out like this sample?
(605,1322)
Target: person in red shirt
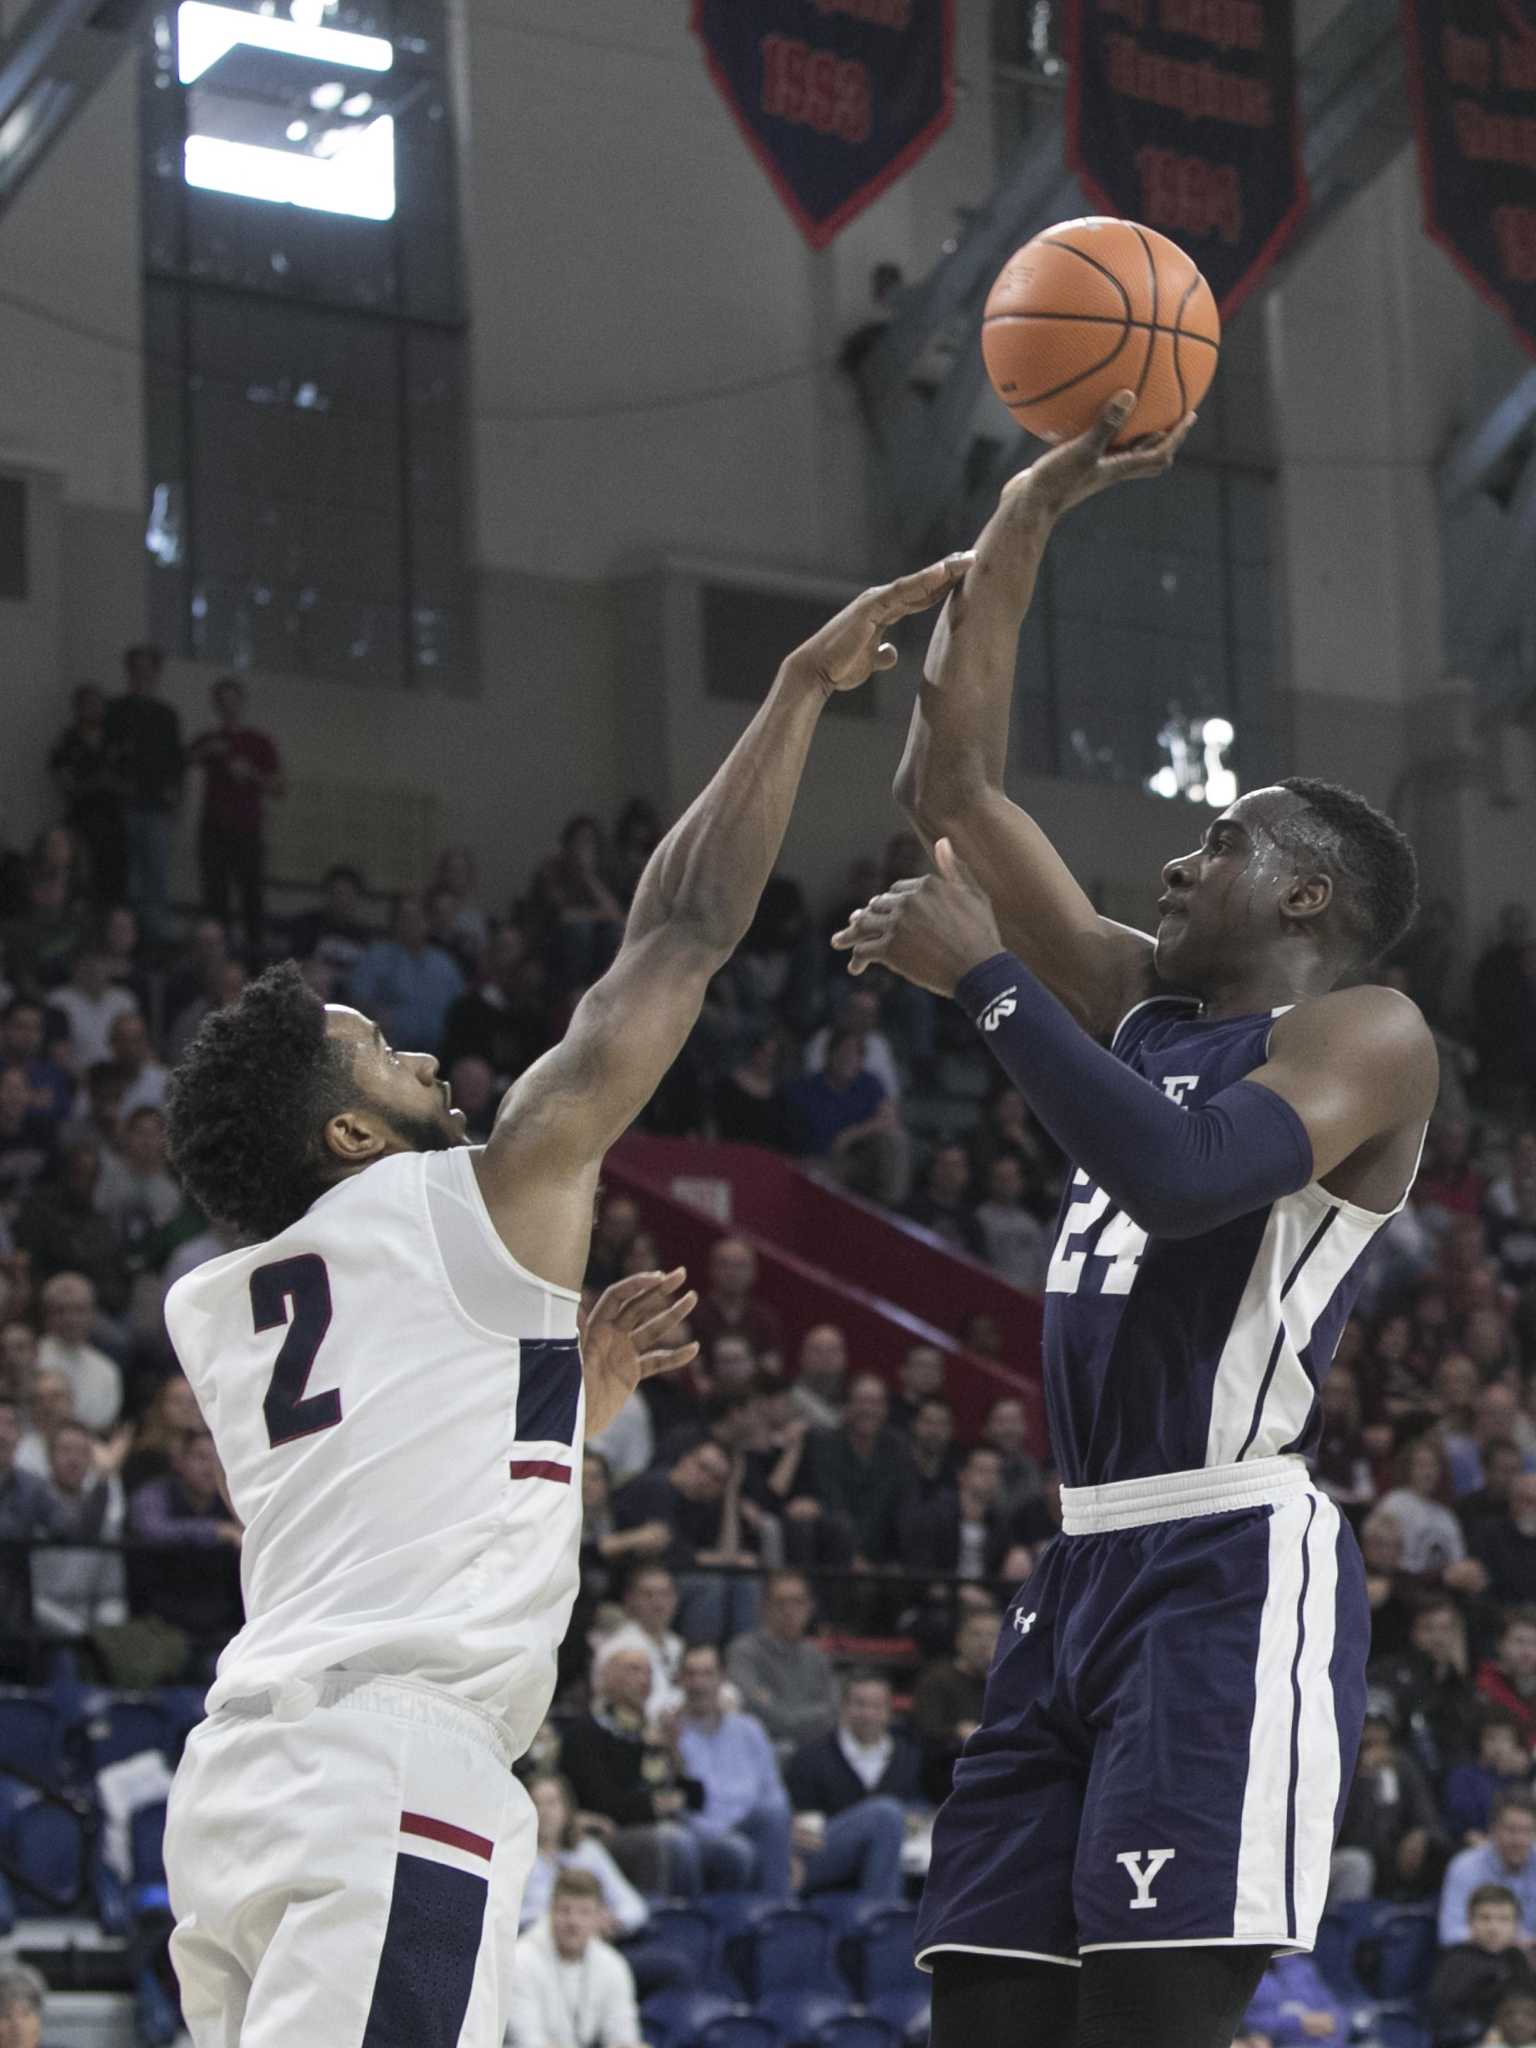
(241,770)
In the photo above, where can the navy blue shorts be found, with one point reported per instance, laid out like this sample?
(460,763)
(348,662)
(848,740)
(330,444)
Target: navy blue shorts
(1170,1728)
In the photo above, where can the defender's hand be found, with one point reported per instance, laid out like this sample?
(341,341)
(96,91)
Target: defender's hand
(1083,467)
(849,648)
(931,932)
(623,1339)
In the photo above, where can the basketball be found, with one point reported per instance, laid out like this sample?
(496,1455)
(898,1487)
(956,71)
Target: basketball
(1092,307)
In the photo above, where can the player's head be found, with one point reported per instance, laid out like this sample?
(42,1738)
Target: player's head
(1299,864)
(280,1096)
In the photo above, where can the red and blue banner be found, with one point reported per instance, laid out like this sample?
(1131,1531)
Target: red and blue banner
(1472,82)
(1182,114)
(836,98)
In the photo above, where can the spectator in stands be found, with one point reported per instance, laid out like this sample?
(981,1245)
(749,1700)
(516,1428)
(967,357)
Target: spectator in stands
(860,1472)
(23,2004)
(920,1374)
(405,983)
(75,1592)
(26,1144)
(1006,1429)
(562,1846)
(1474,1975)
(1508,1679)
(192,1584)
(1009,1131)
(571,1989)
(337,932)
(1514,2022)
(784,1680)
(476,1093)
(96,1384)
(699,1502)
(89,773)
(946,1704)
(222,987)
(1390,1842)
(618,1221)
(90,1004)
(137,1193)
(650,1607)
(820,1388)
(1507,1858)
(1503,1765)
(172,1413)
(146,733)
(242,773)
(1428,1684)
(965,1532)
(144,1078)
(41,942)
(1501,1460)
(727,1366)
(1018,1243)
(47,1401)
(1506,1544)
(942,1204)
(730,1305)
(858,1011)
(574,896)
(50,1090)
(28,1512)
(932,1453)
(636,835)
(848,1127)
(745,1812)
(65,1232)
(851,1791)
(1449,1183)
(18,1358)
(748,1106)
(1294,2005)
(490,1020)
(1432,1537)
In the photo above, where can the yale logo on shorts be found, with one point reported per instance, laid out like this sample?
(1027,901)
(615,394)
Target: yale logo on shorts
(1000,1007)
(1177,1086)
(1143,1879)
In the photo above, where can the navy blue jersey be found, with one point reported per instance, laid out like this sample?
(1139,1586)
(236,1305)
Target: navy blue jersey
(1164,1355)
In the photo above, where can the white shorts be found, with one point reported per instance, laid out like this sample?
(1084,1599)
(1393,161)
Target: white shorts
(349,1879)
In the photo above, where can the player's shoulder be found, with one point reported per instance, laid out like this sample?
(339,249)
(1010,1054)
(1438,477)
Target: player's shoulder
(1367,1015)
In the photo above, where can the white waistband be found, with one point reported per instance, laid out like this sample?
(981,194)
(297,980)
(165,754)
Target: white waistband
(1177,1496)
(404,1699)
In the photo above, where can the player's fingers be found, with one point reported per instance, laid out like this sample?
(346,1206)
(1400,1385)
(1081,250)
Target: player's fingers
(924,587)
(951,866)
(650,1299)
(654,1362)
(615,1302)
(867,953)
(1107,425)
(886,655)
(663,1321)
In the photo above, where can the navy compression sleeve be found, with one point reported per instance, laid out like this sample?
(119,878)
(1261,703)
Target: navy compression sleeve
(1175,1172)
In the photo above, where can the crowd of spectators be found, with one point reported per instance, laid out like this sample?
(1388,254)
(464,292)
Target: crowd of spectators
(705,1733)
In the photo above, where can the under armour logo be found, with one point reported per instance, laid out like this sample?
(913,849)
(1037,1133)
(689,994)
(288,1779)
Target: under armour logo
(1024,1622)
(1144,1879)
(1000,1007)
(1177,1086)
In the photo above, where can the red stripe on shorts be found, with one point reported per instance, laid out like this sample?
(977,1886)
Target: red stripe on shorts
(539,1468)
(445,1831)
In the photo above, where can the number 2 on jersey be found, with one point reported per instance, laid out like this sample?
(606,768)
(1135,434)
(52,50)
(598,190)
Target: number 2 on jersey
(290,1412)
(1118,1240)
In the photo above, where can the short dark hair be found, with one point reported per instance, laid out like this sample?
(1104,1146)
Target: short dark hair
(1371,863)
(1494,1895)
(1512,1802)
(249,1101)
(862,1674)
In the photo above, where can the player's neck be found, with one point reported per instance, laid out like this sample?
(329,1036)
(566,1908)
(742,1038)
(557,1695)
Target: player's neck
(1259,985)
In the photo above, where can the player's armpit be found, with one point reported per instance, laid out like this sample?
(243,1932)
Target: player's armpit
(1098,968)
(1354,1065)
(538,1171)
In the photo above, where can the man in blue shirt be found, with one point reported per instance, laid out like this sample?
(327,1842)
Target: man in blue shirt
(844,1116)
(745,1804)
(1508,1857)
(407,983)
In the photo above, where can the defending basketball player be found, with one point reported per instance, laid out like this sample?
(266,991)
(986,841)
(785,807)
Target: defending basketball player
(393,1373)
(1148,1810)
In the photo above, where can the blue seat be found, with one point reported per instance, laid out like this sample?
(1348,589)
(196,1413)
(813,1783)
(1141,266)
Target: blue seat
(787,1950)
(732,1911)
(47,1844)
(682,2015)
(31,1736)
(801,2015)
(907,2010)
(880,1957)
(858,2030)
(126,1725)
(1339,1934)
(1408,1946)
(690,1935)
(845,1912)
(739,2030)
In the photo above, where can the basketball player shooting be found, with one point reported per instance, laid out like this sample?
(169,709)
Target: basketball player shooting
(397,1380)
(1147,1811)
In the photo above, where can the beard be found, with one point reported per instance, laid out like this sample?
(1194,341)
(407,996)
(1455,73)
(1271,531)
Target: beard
(422,1133)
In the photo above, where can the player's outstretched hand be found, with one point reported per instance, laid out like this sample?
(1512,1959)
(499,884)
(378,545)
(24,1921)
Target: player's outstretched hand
(848,649)
(931,932)
(1083,467)
(624,1339)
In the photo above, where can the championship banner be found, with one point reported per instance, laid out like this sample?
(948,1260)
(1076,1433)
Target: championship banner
(1182,114)
(1472,83)
(836,98)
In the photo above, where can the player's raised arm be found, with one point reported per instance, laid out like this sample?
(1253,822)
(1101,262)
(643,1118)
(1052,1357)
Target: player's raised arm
(951,778)
(692,908)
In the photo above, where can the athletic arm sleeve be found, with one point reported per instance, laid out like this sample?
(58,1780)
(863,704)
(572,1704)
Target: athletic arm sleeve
(1175,1172)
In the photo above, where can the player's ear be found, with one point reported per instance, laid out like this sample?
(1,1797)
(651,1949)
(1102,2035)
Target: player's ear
(1308,897)
(355,1137)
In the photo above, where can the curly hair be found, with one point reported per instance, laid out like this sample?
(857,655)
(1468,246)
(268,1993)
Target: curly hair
(1372,864)
(249,1101)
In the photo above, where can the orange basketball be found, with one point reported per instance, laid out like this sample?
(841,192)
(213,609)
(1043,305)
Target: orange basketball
(1092,307)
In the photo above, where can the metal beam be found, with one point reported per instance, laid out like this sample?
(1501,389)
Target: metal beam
(57,56)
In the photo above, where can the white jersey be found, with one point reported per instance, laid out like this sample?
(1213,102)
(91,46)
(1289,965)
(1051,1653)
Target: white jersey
(398,1408)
